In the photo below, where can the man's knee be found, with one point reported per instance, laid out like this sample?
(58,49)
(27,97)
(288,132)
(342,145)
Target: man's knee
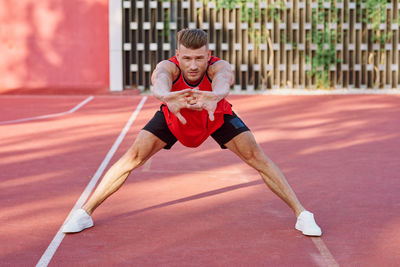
(247,148)
(253,154)
(131,159)
(145,145)
(135,158)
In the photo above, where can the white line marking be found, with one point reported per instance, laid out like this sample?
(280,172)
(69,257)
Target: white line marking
(50,115)
(55,243)
(326,254)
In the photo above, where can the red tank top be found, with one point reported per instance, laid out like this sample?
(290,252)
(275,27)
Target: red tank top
(198,126)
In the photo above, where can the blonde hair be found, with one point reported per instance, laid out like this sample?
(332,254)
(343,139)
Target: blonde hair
(192,38)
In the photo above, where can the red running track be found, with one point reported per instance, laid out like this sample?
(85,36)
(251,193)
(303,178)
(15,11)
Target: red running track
(204,207)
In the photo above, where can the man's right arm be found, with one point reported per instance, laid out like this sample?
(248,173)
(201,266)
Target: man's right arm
(162,78)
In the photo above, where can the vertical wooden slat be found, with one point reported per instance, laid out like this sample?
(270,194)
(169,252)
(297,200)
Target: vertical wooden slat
(180,15)
(314,26)
(371,58)
(242,51)
(225,17)
(288,78)
(146,41)
(395,62)
(257,48)
(397,43)
(238,37)
(173,20)
(363,47)
(267,72)
(263,45)
(276,48)
(333,27)
(134,26)
(388,46)
(166,32)
(140,44)
(282,51)
(379,65)
(155,17)
(357,46)
(189,14)
(382,61)
(308,41)
(295,40)
(339,45)
(302,45)
(127,39)
(351,44)
(250,50)
(212,29)
(345,51)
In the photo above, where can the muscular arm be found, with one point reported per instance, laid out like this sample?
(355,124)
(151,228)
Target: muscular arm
(222,78)
(162,78)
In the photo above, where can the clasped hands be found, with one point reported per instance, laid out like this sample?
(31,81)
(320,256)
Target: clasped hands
(193,99)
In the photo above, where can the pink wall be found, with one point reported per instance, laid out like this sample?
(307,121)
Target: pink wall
(53,44)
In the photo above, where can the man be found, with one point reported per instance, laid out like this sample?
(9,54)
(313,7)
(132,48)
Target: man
(193,86)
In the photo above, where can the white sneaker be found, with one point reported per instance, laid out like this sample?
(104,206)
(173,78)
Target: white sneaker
(307,225)
(78,221)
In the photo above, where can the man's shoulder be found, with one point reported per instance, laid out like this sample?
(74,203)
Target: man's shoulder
(213,59)
(218,65)
(169,66)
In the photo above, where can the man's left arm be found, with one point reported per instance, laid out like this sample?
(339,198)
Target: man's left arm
(222,78)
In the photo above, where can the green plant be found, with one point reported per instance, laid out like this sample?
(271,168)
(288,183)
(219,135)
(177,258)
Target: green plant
(325,40)
(375,16)
(228,4)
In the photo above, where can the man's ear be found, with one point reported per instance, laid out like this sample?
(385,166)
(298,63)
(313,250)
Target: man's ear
(209,55)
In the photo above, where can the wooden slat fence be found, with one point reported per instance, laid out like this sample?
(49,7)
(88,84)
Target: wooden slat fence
(272,44)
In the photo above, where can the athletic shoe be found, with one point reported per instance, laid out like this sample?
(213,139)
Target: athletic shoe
(79,221)
(307,225)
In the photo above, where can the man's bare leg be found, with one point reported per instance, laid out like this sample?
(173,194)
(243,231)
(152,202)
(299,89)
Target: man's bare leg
(246,147)
(145,146)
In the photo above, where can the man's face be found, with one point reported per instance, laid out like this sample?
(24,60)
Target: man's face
(193,62)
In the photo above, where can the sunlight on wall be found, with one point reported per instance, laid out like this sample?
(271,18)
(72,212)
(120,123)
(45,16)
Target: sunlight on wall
(53,44)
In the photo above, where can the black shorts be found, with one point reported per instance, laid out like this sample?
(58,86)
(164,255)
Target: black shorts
(232,126)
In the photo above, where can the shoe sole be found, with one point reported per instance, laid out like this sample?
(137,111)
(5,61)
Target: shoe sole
(86,226)
(308,234)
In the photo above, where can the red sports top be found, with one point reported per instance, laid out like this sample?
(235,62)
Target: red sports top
(198,126)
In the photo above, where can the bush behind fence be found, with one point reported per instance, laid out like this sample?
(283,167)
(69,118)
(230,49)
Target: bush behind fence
(272,44)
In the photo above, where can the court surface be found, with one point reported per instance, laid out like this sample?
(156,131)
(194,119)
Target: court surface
(203,206)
